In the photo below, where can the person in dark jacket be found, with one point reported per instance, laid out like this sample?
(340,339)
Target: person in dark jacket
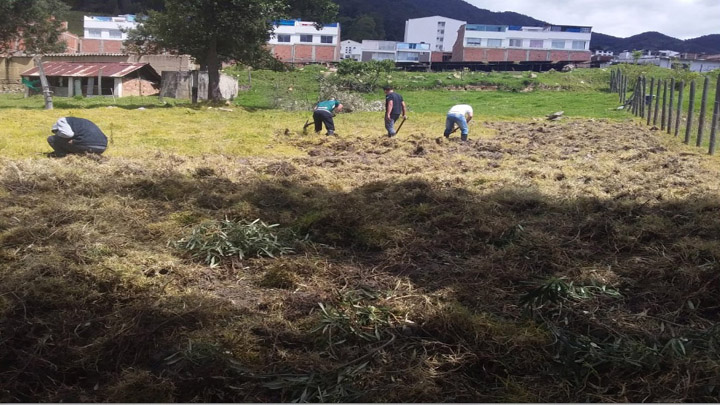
(76,135)
(394,108)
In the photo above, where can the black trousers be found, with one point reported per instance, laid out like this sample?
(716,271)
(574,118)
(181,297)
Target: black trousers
(62,147)
(322,116)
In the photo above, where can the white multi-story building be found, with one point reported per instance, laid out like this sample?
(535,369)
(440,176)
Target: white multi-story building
(297,41)
(105,34)
(440,32)
(395,51)
(378,50)
(507,43)
(108,28)
(350,49)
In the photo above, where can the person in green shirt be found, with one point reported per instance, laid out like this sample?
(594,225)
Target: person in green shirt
(323,112)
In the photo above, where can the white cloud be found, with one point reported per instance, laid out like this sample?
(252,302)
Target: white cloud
(622,18)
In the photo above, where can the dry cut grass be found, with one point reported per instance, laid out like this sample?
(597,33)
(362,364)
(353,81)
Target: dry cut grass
(565,262)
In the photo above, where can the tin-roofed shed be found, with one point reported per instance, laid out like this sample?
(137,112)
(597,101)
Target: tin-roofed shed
(118,79)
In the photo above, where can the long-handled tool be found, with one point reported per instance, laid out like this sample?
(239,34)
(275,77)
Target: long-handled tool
(307,124)
(400,126)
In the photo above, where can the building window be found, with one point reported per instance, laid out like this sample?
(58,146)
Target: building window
(95,33)
(585,30)
(494,43)
(408,56)
(474,41)
(283,38)
(115,34)
(558,44)
(326,39)
(579,45)
(516,43)
(441,24)
(536,43)
(306,38)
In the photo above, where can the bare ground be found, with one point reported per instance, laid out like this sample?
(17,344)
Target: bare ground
(416,276)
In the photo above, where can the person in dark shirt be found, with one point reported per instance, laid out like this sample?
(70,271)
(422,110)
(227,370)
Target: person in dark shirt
(323,113)
(76,135)
(394,107)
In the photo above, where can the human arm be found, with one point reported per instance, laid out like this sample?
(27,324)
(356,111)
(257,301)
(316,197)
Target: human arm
(404,110)
(388,108)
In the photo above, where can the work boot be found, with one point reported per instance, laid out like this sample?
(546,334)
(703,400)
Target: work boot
(330,133)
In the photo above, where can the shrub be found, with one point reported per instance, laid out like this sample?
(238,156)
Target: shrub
(215,241)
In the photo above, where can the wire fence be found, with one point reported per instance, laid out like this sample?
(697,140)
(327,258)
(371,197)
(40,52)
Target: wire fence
(669,105)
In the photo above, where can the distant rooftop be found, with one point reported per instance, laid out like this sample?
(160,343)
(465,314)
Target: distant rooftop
(120,18)
(504,28)
(300,22)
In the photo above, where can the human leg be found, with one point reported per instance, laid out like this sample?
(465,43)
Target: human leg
(449,125)
(58,144)
(390,124)
(462,123)
(318,119)
(329,123)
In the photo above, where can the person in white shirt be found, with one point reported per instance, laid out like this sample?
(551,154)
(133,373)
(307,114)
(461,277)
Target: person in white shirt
(458,115)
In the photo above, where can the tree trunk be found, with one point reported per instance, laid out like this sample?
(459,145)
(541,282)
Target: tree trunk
(213,66)
(47,93)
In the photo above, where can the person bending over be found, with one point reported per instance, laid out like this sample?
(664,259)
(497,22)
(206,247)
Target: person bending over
(323,113)
(458,115)
(76,135)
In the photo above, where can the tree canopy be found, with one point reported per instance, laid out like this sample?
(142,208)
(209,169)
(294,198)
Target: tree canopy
(33,22)
(216,31)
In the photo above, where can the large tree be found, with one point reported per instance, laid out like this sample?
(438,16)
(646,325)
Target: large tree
(217,31)
(33,23)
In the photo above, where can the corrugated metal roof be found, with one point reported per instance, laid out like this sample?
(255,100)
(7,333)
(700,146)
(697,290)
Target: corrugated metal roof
(86,69)
(86,54)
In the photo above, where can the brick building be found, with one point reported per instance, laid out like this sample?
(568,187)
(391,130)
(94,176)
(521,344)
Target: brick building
(506,43)
(301,42)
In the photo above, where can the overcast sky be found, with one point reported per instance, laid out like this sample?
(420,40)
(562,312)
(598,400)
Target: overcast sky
(621,18)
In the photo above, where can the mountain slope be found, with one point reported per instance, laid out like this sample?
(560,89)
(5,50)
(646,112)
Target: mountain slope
(656,41)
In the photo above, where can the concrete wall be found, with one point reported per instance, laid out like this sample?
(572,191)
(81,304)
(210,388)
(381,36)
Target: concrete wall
(180,84)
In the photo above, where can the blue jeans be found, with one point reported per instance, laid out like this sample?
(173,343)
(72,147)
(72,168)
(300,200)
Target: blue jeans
(459,119)
(390,123)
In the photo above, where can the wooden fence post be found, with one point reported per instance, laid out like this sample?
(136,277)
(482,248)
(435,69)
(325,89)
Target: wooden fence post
(714,124)
(636,95)
(678,113)
(703,107)
(664,104)
(650,103)
(642,97)
(657,103)
(670,105)
(612,81)
(691,107)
